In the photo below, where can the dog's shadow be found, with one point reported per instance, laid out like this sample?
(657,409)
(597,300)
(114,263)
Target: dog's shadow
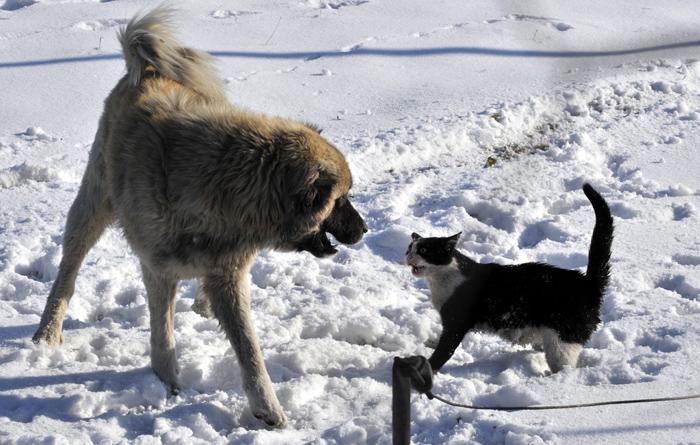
(108,379)
(25,331)
(17,332)
(24,409)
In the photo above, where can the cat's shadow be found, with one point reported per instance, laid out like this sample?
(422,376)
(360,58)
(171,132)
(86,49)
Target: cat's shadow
(525,363)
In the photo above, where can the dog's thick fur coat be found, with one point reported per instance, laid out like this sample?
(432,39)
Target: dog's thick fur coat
(199,187)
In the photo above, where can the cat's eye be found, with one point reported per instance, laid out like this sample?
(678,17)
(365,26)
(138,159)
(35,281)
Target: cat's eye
(422,250)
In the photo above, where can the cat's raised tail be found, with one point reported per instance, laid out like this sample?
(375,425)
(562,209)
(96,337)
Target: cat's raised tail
(599,253)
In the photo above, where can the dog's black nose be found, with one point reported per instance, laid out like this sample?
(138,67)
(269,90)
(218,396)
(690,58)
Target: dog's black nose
(365,229)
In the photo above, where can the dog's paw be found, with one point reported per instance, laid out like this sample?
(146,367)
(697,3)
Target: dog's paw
(167,373)
(263,401)
(272,416)
(202,308)
(49,335)
(173,389)
(172,386)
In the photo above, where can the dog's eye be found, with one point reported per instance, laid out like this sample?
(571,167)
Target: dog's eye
(341,201)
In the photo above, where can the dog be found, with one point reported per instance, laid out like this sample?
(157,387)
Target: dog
(198,188)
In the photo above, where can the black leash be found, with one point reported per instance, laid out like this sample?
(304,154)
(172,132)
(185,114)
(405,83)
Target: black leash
(544,407)
(416,372)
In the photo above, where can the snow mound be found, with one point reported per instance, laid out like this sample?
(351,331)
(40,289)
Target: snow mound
(24,173)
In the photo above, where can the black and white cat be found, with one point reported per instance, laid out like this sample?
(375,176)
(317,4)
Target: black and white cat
(533,303)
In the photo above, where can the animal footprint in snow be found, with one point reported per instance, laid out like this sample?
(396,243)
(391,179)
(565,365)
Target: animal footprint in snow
(227,14)
(687,260)
(538,232)
(682,211)
(358,45)
(98,25)
(554,23)
(489,214)
(661,340)
(651,365)
(679,285)
(42,269)
(624,211)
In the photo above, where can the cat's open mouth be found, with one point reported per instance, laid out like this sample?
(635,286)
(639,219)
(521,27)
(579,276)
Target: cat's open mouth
(417,270)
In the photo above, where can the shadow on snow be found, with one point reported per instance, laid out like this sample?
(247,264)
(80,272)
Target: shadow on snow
(383,52)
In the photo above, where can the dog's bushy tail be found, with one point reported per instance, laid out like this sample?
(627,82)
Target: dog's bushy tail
(601,242)
(148,45)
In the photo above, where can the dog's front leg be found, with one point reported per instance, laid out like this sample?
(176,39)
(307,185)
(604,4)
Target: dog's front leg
(229,296)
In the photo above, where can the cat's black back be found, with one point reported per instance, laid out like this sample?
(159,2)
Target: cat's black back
(523,295)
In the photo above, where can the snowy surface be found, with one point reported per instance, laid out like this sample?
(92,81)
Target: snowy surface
(418,95)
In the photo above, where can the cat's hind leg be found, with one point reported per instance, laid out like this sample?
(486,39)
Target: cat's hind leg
(558,352)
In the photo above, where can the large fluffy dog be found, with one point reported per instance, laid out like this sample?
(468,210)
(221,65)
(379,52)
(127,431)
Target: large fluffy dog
(199,187)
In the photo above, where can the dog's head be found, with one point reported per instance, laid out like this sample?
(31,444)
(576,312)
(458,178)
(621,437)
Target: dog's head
(344,223)
(326,201)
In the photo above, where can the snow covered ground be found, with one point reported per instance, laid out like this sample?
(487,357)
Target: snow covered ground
(418,95)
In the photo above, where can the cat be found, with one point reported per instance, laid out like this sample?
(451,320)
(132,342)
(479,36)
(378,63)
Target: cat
(547,307)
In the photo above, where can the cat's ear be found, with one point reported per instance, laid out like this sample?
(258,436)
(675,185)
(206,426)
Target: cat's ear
(452,242)
(415,236)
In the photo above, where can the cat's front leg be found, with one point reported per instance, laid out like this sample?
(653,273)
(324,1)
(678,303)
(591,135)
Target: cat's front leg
(448,343)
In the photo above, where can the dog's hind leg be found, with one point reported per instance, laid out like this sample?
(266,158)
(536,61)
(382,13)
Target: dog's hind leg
(229,296)
(87,218)
(161,305)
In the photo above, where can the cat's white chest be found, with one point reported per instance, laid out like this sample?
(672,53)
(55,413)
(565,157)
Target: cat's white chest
(443,283)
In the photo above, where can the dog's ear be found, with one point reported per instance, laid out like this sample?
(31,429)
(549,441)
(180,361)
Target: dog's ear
(314,127)
(415,236)
(318,193)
